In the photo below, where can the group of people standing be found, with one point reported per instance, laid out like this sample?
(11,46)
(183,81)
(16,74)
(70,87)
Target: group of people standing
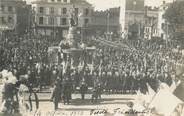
(118,71)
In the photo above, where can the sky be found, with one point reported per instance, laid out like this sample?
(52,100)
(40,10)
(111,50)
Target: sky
(105,4)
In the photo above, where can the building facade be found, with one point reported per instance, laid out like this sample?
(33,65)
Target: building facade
(149,20)
(107,21)
(8,14)
(134,18)
(152,23)
(52,16)
(14,16)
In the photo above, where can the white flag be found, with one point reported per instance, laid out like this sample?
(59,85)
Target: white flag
(165,102)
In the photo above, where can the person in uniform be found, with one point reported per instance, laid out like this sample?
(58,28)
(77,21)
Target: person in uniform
(56,94)
(94,96)
(83,90)
(67,90)
(29,83)
(99,91)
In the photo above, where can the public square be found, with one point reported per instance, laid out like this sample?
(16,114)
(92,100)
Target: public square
(110,103)
(86,58)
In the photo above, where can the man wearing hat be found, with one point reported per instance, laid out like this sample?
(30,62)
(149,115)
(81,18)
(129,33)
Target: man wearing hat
(56,94)
(67,90)
(83,89)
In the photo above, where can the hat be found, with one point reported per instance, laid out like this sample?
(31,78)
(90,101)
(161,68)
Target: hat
(130,104)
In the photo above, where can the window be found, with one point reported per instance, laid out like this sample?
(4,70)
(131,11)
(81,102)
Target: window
(52,0)
(59,0)
(10,19)
(76,11)
(10,8)
(164,2)
(163,26)
(65,1)
(51,21)
(2,8)
(2,20)
(64,10)
(41,10)
(86,12)
(63,21)
(86,21)
(52,10)
(41,20)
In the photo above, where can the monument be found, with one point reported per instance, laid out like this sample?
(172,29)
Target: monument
(73,47)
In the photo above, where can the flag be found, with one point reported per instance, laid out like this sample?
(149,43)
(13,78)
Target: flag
(140,98)
(151,92)
(145,62)
(174,85)
(165,102)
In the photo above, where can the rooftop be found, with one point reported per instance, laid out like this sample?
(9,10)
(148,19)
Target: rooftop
(83,2)
(112,11)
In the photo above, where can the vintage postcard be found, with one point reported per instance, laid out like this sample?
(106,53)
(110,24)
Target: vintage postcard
(91,57)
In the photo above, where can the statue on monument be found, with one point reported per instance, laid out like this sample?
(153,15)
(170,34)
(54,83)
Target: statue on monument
(73,37)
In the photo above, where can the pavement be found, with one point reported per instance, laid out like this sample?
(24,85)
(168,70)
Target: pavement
(79,107)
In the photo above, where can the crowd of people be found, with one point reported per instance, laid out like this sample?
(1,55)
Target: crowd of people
(119,68)
(144,60)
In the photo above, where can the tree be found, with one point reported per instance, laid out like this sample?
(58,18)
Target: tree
(174,15)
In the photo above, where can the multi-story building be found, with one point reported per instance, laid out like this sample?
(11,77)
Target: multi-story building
(105,21)
(14,15)
(149,20)
(151,24)
(8,14)
(134,16)
(52,16)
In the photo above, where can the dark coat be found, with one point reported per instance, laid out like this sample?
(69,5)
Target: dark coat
(83,88)
(9,91)
(56,94)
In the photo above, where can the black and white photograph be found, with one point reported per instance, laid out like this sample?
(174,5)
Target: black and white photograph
(91,57)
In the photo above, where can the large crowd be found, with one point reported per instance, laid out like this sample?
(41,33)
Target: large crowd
(113,67)
(142,62)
